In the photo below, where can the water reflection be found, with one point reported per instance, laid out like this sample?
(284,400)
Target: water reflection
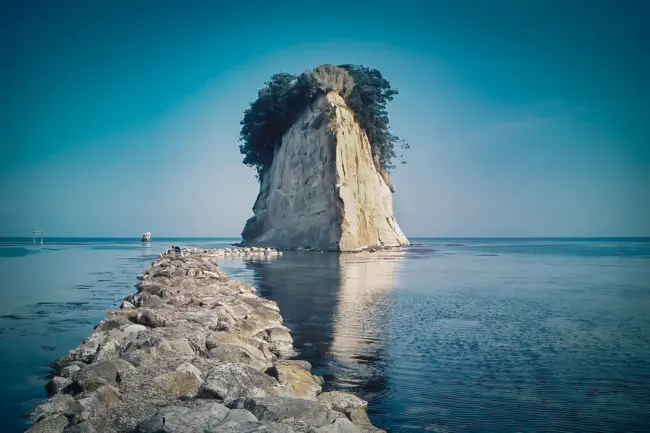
(337,307)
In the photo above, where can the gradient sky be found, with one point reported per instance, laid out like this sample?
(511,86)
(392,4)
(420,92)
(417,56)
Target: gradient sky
(525,118)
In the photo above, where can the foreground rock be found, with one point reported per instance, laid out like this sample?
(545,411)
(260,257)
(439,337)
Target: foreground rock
(192,351)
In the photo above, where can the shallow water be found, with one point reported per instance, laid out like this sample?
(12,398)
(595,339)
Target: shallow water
(462,335)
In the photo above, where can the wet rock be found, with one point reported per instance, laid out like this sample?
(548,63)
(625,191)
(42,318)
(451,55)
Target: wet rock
(176,419)
(58,385)
(54,424)
(276,409)
(243,354)
(60,404)
(178,383)
(227,382)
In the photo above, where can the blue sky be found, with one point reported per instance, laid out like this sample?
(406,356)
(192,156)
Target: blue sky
(524,118)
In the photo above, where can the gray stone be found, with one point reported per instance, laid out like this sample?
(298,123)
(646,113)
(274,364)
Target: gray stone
(176,419)
(236,354)
(58,384)
(276,409)
(298,381)
(60,404)
(93,376)
(104,398)
(352,406)
(186,367)
(54,424)
(177,384)
(135,329)
(239,416)
(70,371)
(82,427)
(149,318)
(152,301)
(227,382)
(126,304)
(341,425)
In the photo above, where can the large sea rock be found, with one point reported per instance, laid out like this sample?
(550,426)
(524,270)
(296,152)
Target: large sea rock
(323,189)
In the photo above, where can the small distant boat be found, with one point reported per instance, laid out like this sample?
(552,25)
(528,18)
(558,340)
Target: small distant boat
(146,237)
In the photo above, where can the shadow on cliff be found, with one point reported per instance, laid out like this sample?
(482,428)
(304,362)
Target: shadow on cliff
(336,306)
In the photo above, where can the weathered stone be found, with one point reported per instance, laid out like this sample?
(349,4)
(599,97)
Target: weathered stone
(296,379)
(295,363)
(341,425)
(58,384)
(177,383)
(352,406)
(243,354)
(93,376)
(348,204)
(60,404)
(104,398)
(227,382)
(186,367)
(126,304)
(82,427)
(152,301)
(135,329)
(176,419)
(54,424)
(277,409)
(150,318)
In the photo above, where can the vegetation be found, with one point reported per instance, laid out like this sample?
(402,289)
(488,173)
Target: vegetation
(285,96)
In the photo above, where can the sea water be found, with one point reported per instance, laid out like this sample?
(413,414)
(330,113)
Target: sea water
(453,335)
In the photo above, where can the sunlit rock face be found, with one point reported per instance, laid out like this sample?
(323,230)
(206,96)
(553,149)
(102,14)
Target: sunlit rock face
(323,190)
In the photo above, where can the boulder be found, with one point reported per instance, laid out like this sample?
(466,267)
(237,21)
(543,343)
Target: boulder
(149,318)
(93,376)
(177,383)
(82,427)
(354,408)
(186,367)
(60,404)
(295,378)
(177,419)
(54,424)
(240,354)
(104,398)
(58,384)
(152,301)
(276,409)
(227,382)
(341,425)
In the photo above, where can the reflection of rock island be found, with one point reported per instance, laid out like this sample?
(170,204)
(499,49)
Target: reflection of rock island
(335,306)
(366,280)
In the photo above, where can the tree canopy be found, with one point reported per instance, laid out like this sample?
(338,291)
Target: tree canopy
(285,96)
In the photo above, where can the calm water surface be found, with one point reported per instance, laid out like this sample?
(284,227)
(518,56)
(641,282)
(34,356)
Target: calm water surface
(462,335)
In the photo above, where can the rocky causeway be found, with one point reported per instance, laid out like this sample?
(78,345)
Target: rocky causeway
(192,351)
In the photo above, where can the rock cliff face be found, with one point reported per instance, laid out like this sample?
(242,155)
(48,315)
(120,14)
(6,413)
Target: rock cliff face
(322,189)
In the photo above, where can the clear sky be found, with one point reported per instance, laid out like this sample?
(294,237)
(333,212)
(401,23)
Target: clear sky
(525,118)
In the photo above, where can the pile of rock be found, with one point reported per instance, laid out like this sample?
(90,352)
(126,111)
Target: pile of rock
(192,351)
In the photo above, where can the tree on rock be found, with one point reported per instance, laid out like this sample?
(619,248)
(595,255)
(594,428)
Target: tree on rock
(285,96)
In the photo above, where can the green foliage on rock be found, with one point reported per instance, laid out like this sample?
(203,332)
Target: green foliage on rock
(285,96)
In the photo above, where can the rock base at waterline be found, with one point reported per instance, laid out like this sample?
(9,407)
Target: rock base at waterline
(192,351)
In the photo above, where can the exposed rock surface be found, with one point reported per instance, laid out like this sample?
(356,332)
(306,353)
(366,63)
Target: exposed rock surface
(323,190)
(192,351)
